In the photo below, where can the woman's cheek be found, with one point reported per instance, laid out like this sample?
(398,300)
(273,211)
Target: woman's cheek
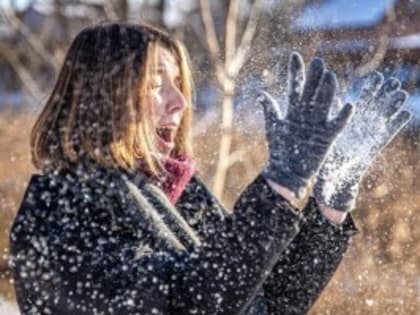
(158,103)
(157,98)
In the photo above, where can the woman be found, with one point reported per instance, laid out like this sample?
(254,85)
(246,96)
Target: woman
(118,222)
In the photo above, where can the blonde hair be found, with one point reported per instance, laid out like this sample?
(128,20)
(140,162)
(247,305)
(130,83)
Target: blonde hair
(97,109)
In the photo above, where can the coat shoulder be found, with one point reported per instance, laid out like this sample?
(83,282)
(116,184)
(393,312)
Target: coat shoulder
(57,203)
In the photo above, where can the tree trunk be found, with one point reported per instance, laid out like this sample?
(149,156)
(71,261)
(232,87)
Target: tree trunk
(222,165)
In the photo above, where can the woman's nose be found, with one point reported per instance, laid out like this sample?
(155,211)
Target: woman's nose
(176,102)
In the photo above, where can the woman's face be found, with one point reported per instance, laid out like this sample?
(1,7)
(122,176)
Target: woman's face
(167,100)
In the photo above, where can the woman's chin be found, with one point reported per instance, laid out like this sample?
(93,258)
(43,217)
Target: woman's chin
(165,148)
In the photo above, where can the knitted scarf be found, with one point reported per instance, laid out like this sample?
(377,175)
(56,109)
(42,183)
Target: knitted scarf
(179,170)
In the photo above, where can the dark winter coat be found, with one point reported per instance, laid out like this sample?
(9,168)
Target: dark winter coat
(84,242)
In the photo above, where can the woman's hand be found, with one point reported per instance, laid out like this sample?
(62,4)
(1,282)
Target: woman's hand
(298,143)
(378,118)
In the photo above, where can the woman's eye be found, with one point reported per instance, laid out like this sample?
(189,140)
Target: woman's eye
(156,81)
(156,86)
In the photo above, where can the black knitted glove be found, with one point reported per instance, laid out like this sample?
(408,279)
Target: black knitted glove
(378,118)
(298,143)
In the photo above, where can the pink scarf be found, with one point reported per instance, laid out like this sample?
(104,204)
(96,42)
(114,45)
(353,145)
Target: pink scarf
(179,169)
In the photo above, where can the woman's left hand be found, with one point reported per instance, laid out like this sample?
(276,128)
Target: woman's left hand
(377,120)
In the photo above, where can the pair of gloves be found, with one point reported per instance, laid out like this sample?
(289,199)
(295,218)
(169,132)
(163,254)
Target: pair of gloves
(306,142)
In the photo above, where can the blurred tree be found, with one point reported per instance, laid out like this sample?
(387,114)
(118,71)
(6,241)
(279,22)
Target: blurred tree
(227,62)
(40,34)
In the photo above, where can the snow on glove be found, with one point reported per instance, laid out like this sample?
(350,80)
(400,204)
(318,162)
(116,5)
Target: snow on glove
(378,118)
(298,143)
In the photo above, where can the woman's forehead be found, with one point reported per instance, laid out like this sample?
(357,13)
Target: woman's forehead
(167,61)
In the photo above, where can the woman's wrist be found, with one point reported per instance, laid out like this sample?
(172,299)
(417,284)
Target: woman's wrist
(286,193)
(333,215)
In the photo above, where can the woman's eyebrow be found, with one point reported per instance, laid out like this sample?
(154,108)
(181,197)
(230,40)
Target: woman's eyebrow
(161,69)
(158,70)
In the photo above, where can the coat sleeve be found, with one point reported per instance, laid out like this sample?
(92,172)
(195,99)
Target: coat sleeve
(225,274)
(308,264)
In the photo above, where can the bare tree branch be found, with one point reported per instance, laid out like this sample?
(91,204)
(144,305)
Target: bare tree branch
(198,30)
(377,58)
(245,43)
(382,47)
(24,75)
(209,27)
(116,9)
(212,41)
(37,45)
(231,31)
(109,10)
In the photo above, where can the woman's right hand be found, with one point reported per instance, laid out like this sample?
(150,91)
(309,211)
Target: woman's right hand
(299,142)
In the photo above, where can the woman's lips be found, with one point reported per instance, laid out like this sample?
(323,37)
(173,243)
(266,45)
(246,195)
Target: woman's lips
(166,136)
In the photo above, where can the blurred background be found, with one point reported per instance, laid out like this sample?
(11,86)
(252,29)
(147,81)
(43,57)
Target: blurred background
(237,47)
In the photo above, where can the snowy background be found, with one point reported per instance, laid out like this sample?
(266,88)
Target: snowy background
(380,274)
